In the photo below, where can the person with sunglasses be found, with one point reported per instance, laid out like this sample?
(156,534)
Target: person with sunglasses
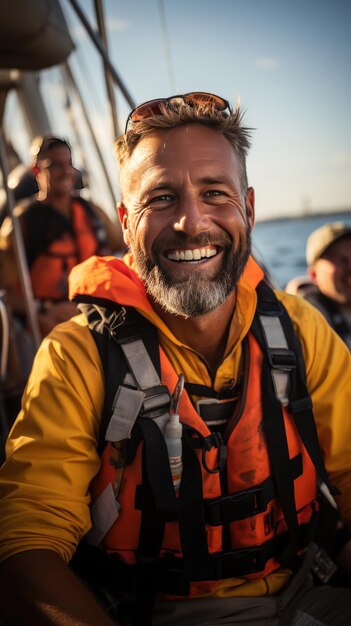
(179,438)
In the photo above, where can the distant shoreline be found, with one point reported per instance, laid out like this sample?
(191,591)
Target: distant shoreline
(303,216)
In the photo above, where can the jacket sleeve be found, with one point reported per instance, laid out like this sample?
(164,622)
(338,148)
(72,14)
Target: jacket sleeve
(51,450)
(328,370)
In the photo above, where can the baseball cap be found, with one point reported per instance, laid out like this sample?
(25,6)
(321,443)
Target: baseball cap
(320,240)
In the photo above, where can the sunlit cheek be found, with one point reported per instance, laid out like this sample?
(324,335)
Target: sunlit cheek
(140,235)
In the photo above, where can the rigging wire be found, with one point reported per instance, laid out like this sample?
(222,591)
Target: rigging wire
(100,18)
(69,109)
(51,79)
(101,48)
(74,87)
(168,56)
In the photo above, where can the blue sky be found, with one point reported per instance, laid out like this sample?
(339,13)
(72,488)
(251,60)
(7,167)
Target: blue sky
(288,62)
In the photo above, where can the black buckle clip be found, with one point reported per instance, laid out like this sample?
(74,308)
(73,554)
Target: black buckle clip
(281,359)
(156,402)
(214,441)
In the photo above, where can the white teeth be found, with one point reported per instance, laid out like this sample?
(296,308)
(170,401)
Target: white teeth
(192,255)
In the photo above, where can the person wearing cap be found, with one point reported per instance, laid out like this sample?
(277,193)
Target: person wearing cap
(178,429)
(328,257)
(60,229)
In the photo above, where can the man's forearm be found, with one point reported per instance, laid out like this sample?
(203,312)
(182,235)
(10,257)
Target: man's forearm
(38,588)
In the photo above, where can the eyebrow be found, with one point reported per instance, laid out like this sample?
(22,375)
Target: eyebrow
(214,180)
(207,180)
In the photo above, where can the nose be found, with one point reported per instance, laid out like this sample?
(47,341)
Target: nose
(192,217)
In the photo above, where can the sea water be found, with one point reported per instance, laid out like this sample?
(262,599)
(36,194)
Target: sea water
(281,243)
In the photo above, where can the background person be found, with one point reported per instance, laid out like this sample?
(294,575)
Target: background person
(60,229)
(328,256)
(238,536)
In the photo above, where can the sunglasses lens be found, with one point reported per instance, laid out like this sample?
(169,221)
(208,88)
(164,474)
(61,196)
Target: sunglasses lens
(207,98)
(147,109)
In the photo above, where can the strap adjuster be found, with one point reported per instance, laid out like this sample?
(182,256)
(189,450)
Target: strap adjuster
(156,402)
(214,440)
(282,359)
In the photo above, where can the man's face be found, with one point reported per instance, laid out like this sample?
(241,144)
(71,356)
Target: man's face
(185,218)
(56,173)
(332,272)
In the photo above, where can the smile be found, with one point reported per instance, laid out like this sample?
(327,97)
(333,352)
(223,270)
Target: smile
(192,255)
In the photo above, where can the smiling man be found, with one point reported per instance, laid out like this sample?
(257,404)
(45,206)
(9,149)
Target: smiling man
(167,447)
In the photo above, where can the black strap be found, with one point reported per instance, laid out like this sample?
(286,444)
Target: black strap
(191,516)
(171,577)
(243,504)
(278,451)
(300,401)
(273,420)
(159,503)
(203,391)
(108,320)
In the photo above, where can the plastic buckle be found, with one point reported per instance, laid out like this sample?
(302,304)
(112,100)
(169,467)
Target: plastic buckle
(214,441)
(255,495)
(284,360)
(157,400)
(199,403)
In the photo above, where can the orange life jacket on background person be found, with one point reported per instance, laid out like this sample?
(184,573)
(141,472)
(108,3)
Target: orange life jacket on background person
(54,245)
(247,501)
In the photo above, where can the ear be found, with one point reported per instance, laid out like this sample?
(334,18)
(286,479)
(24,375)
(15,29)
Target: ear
(311,272)
(250,206)
(123,218)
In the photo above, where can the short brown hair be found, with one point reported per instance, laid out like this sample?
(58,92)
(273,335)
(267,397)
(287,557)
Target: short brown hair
(46,143)
(229,124)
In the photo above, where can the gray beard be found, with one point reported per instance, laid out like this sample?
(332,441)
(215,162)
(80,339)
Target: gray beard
(193,295)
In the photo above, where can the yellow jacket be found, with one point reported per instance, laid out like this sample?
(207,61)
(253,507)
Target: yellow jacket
(51,451)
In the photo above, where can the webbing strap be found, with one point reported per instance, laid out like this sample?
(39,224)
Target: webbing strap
(203,391)
(279,355)
(274,428)
(300,402)
(140,363)
(242,562)
(108,320)
(159,503)
(129,401)
(156,464)
(150,541)
(191,517)
(126,408)
(243,504)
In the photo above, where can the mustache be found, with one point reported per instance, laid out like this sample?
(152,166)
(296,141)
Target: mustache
(180,239)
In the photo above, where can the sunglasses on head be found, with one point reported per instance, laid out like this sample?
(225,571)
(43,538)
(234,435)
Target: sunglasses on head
(153,107)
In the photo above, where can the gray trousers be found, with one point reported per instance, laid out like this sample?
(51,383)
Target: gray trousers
(301,603)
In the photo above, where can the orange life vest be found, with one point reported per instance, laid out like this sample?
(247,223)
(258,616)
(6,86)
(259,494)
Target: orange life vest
(247,467)
(50,268)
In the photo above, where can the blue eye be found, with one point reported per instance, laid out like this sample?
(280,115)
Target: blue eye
(165,197)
